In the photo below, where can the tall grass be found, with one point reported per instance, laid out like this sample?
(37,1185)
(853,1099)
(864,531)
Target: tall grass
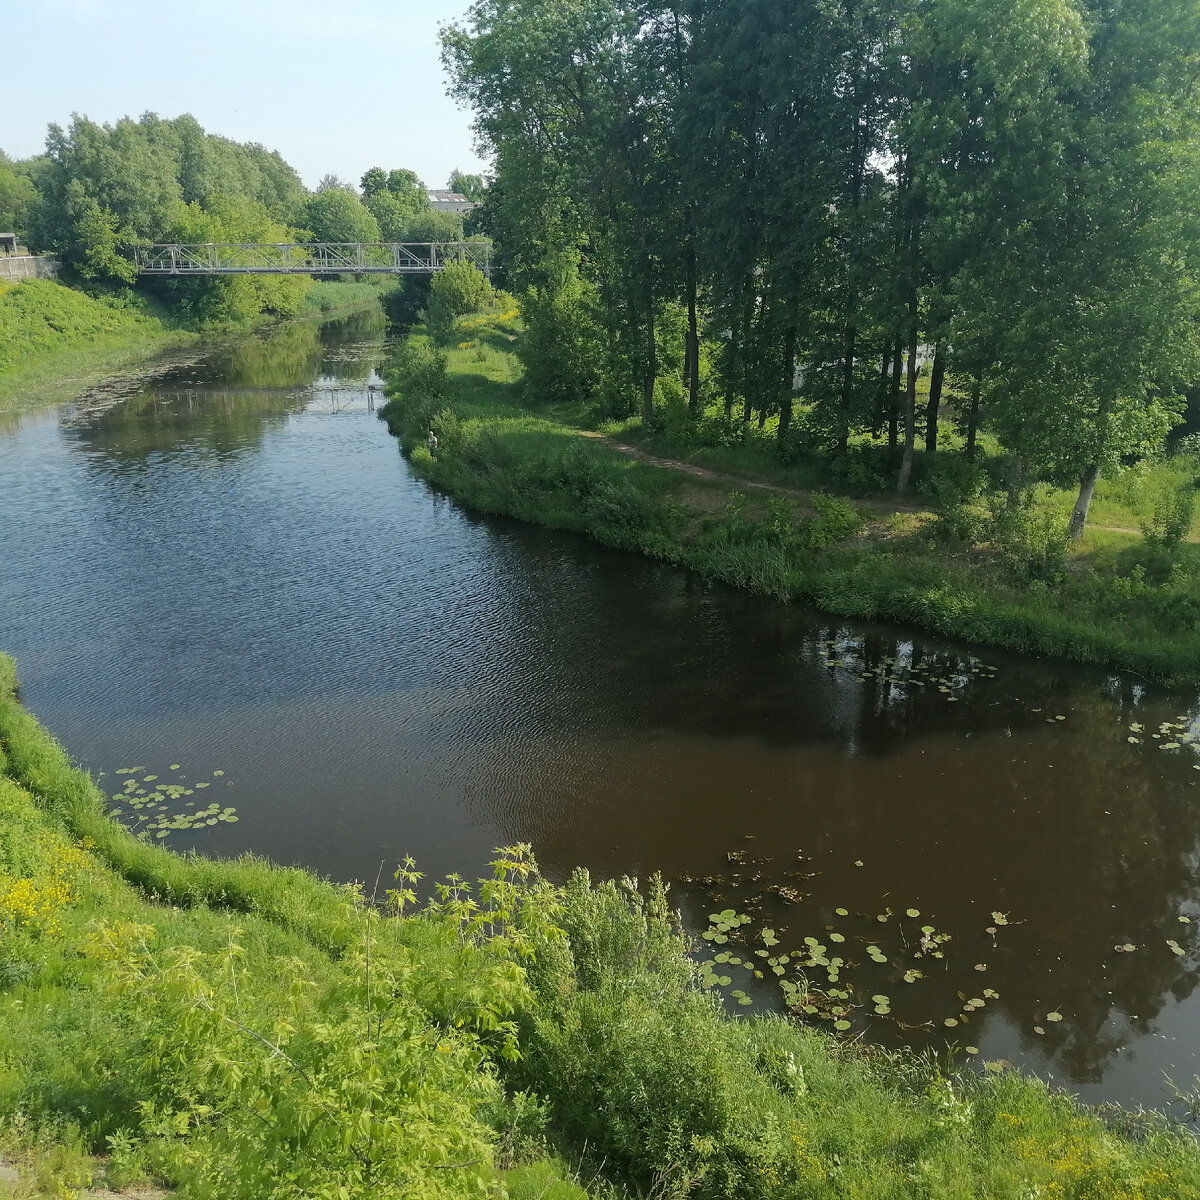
(54,339)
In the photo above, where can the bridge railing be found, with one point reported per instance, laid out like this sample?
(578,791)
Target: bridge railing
(308,258)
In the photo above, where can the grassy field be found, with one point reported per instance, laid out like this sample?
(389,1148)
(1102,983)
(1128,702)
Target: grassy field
(237,1030)
(966,565)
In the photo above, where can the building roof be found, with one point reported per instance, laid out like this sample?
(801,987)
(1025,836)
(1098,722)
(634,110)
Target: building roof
(447,197)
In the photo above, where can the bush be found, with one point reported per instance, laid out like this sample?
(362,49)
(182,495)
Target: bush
(416,382)
(948,479)
(1174,505)
(836,520)
(637,1062)
(864,469)
(457,289)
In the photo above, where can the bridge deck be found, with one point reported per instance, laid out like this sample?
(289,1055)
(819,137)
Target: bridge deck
(309,258)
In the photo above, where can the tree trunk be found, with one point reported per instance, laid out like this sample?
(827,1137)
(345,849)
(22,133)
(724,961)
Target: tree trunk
(935,399)
(786,383)
(881,392)
(1087,485)
(692,351)
(650,370)
(910,413)
(894,396)
(973,417)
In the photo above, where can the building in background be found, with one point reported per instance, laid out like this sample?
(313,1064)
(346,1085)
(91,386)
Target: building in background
(454,202)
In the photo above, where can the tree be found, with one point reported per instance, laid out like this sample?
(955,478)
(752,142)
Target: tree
(457,289)
(396,199)
(471,186)
(338,215)
(1090,308)
(17,196)
(105,190)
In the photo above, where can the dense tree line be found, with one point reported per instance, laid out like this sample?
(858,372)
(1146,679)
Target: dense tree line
(795,210)
(100,191)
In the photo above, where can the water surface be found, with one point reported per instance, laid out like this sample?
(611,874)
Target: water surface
(233,570)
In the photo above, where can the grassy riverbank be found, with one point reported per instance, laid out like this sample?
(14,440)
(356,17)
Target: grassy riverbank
(971,569)
(56,341)
(234,1029)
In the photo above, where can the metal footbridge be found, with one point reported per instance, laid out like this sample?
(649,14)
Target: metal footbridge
(309,258)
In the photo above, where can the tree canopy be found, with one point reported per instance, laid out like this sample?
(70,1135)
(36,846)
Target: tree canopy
(830,201)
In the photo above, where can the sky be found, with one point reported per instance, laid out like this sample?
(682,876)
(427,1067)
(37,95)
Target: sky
(334,85)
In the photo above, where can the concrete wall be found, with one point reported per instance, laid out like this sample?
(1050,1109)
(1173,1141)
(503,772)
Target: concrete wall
(27,266)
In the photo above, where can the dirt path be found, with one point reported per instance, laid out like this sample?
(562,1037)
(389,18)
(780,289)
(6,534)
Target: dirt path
(739,481)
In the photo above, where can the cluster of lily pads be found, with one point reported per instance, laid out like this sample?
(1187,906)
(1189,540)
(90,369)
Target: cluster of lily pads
(1170,735)
(833,1000)
(155,808)
(837,652)
(813,977)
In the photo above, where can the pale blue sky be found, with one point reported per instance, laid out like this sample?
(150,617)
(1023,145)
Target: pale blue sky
(333,85)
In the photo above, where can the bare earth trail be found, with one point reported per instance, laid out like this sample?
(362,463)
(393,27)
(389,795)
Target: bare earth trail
(804,498)
(739,481)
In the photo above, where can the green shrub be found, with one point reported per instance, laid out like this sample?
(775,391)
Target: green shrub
(636,1061)
(460,288)
(836,520)
(1173,507)
(39,318)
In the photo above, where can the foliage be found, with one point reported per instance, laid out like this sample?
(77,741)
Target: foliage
(992,569)
(395,198)
(456,290)
(39,318)
(438,1049)
(471,186)
(229,299)
(338,215)
(17,195)
(1174,508)
(431,225)
(833,205)
(105,190)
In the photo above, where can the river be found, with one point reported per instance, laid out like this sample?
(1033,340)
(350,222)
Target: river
(229,576)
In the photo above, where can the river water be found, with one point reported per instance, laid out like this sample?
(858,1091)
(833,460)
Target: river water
(229,576)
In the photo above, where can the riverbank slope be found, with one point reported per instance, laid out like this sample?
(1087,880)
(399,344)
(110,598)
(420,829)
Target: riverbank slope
(1115,600)
(56,341)
(237,1029)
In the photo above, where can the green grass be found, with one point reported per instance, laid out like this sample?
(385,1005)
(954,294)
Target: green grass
(219,1040)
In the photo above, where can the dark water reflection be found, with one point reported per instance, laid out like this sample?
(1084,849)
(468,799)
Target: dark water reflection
(233,570)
